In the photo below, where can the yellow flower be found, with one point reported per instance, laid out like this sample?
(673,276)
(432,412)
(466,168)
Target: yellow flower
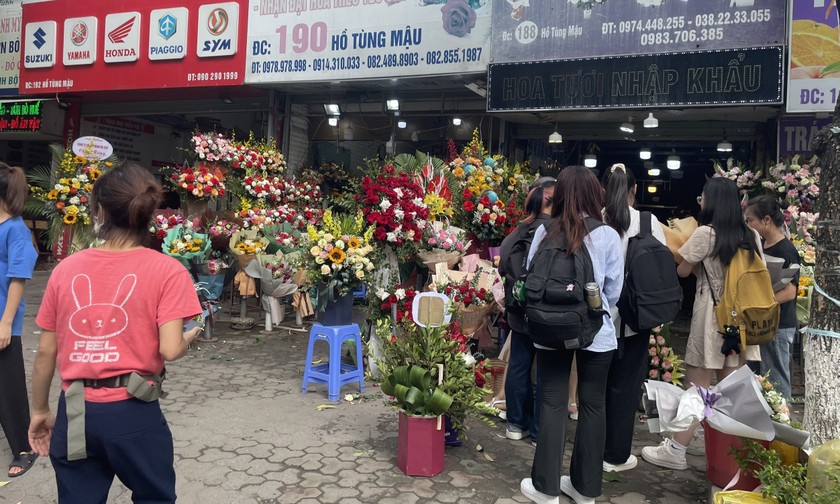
(80,160)
(52,195)
(458,172)
(353,243)
(195,249)
(198,241)
(337,255)
(72,209)
(250,250)
(70,218)
(109,164)
(241,246)
(94,174)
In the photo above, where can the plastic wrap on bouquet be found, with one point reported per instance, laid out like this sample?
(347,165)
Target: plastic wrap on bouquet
(430,258)
(273,289)
(742,497)
(803,306)
(174,245)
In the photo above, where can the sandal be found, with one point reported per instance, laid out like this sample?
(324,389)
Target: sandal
(24,462)
(573,411)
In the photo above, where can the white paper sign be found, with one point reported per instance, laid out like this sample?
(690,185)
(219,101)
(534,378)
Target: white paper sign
(92,147)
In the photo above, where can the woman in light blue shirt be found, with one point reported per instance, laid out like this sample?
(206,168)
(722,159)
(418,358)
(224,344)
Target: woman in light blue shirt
(577,196)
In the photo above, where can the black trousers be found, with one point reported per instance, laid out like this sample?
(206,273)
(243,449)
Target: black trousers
(14,402)
(628,370)
(553,367)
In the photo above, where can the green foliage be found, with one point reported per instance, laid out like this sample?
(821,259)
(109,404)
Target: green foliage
(426,348)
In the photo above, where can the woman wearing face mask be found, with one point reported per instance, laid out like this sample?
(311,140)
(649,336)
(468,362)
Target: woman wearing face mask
(764,214)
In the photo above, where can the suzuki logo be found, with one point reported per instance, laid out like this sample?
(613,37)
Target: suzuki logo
(118,34)
(39,38)
(217,22)
(167,26)
(79,33)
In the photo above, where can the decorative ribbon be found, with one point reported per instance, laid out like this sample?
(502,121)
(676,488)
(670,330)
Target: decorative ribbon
(822,332)
(709,400)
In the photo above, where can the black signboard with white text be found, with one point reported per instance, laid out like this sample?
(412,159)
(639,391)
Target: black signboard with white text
(739,76)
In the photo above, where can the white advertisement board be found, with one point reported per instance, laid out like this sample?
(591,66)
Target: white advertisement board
(10,19)
(314,40)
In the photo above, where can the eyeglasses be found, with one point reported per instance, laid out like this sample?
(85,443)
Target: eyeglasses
(548,183)
(700,200)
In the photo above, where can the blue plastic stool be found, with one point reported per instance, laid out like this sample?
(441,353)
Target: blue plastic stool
(334,374)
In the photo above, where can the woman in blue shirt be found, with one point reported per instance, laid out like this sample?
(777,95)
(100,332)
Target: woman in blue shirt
(577,195)
(17,259)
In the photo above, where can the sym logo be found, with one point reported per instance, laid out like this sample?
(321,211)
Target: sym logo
(217,22)
(118,34)
(39,38)
(79,33)
(167,26)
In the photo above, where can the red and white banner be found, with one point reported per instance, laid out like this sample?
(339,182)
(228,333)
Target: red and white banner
(116,45)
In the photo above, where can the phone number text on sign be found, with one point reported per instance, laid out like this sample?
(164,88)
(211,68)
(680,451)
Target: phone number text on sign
(212,76)
(368,39)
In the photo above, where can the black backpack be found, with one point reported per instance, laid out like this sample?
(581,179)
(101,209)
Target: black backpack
(512,266)
(651,295)
(556,313)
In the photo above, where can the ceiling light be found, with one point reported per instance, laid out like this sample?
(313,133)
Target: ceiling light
(627,127)
(401,124)
(348,132)
(651,122)
(673,162)
(456,121)
(654,172)
(415,137)
(555,138)
(392,105)
(652,189)
(333,121)
(645,153)
(724,145)
(590,161)
(332,109)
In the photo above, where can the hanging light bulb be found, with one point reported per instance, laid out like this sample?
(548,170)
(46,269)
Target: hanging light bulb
(627,127)
(654,172)
(652,189)
(724,145)
(651,122)
(456,121)
(401,124)
(673,162)
(333,121)
(590,161)
(555,138)
(645,153)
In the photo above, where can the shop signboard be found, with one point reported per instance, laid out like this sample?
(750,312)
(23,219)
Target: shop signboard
(313,40)
(814,73)
(23,116)
(10,30)
(116,45)
(529,30)
(737,76)
(797,131)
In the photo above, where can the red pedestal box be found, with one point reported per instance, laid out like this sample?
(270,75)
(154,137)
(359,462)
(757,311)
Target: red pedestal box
(420,445)
(721,466)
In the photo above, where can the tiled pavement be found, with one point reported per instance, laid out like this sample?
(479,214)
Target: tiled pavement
(245,434)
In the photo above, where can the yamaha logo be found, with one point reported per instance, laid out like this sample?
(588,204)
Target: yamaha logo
(79,33)
(217,22)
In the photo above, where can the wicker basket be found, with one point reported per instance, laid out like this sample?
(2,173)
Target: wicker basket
(242,323)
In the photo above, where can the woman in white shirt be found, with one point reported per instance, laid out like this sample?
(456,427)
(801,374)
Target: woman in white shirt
(629,363)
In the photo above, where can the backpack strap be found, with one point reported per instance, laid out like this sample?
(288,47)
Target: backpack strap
(644,224)
(709,281)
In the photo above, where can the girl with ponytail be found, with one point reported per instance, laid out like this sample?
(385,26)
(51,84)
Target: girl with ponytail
(628,368)
(111,316)
(17,260)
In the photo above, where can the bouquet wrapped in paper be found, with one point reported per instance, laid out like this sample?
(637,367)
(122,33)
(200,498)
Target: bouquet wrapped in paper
(187,246)
(677,232)
(245,245)
(441,245)
(472,295)
(275,273)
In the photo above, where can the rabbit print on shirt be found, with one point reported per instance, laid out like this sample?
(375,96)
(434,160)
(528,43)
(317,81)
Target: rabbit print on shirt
(100,321)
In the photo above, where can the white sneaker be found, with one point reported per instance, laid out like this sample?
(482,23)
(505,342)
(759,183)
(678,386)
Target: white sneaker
(631,463)
(665,455)
(528,490)
(567,488)
(515,433)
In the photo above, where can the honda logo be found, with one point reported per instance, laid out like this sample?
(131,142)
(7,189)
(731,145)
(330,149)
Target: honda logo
(118,34)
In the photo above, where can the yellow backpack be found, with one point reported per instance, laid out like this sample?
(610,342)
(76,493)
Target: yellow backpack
(748,300)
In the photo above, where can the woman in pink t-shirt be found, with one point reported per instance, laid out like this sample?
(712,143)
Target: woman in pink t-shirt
(111,316)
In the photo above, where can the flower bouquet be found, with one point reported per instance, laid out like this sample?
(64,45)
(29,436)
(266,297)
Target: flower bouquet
(220,232)
(797,184)
(186,245)
(201,182)
(275,273)
(257,156)
(211,147)
(339,258)
(746,180)
(263,188)
(663,364)
(395,303)
(393,205)
(282,237)
(473,301)
(245,245)
(441,245)
(164,221)
(487,216)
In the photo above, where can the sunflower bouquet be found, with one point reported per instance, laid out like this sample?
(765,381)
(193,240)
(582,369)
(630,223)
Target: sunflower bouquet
(245,245)
(339,258)
(186,245)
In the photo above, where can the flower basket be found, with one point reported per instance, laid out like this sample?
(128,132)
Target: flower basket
(420,444)
(721,466)
(337,312)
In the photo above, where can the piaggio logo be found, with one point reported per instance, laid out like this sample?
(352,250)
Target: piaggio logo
(39,38)
(217,22)
(118,34)
(79,33)
(167,26)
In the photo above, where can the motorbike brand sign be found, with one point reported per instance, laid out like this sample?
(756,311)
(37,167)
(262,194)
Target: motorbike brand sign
(102,46)
(168,33)
(79,41)
(217,29)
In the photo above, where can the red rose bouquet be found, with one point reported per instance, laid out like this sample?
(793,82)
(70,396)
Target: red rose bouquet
(198,183)
(393,204)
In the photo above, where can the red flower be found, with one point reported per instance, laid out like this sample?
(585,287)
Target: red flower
(469,206)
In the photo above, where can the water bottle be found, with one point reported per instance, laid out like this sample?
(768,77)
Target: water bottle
(593,295)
